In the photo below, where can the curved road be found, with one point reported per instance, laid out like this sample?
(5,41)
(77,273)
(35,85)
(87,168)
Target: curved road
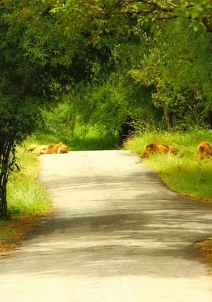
(117,234)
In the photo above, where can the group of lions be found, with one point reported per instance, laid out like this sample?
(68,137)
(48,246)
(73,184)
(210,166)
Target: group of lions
(204,149)
(48,149)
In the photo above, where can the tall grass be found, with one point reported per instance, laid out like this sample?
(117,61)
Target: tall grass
(25,195)
(81,138)
(183,173)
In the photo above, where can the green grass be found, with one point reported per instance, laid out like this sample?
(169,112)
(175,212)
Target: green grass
(25,195)
(84,138)
(6,233)
(183,173)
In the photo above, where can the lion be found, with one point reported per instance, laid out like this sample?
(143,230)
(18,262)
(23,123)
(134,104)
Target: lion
(204,149)
(159,148)
(56,148)
(32,147)
(48,149)
(37,149)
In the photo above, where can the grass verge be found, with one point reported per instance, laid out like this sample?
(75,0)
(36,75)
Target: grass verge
(25,195)
(27,200)
(183,173)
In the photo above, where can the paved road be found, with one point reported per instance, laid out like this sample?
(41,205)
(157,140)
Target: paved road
(117,235)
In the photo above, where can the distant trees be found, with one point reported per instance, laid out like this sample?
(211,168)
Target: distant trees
(179,66)
(165,46)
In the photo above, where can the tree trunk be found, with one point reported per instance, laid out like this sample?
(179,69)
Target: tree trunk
(210,119)
(6,163)
(167,116)
(3,202)
(166,113)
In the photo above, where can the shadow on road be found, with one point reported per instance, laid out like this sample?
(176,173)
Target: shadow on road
(114,223)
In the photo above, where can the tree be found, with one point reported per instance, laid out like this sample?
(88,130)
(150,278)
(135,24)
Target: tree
(114,16)
(38,65)
(29,79)
(179,66)
(112,23)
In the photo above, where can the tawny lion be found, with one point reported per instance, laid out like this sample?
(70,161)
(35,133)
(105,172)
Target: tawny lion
(157,147)
(204,149)
(37,149)
(48,149)
(57,148)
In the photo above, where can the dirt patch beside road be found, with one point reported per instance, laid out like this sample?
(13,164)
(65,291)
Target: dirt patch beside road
(204,246)
(205,249)
(19,228)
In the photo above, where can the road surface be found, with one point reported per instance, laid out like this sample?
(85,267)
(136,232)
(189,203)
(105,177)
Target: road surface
(117,234)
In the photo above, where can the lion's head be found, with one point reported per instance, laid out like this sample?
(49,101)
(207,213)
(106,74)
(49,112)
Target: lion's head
(62,148)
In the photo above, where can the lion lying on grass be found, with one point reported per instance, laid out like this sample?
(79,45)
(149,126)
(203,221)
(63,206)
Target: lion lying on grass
(48,149)
(159,148)
(204,149)
(38,149)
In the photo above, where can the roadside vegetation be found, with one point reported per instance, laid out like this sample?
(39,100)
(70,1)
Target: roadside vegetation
(80,138)
(28,200)
(184,172)
(26,195)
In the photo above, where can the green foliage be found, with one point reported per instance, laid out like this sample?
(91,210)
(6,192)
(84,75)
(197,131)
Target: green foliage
(156,56)
(90,138)
(6,232)
(195,9)
(179,66)
(79,138)
(28,81)
(114,17)
(104,109)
